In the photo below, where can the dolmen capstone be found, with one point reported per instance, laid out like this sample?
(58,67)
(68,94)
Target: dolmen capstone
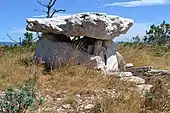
(86,38)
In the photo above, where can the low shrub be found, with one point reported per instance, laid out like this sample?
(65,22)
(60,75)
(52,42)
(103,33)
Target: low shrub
(19,100)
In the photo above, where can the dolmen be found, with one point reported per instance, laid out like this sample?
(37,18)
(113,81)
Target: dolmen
(85,38)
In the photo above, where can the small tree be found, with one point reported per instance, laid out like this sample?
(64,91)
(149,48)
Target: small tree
(50,11)
(136,39)
(28,39)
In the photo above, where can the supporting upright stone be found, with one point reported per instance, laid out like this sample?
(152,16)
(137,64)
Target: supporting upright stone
(53,53)
(90,49)
(98,49)
(111,59)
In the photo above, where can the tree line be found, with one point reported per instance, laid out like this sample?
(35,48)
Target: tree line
(156,35)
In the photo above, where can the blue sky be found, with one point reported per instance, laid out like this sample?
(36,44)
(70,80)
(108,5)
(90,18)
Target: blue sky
(13,13)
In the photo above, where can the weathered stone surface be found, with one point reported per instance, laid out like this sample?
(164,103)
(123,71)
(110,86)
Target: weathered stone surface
(89,106)
(121,61)
(135,79)
(129,65)
(56,54)
(144,88)
(91,46)
(98,63)
(94,25)
(139,70)
(66,106)
(98,48)
(154,72)
(53,53)
(124,74)
(111,58)
(90,49)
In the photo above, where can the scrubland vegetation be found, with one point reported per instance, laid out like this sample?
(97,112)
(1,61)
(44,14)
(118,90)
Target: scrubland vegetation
(17,67)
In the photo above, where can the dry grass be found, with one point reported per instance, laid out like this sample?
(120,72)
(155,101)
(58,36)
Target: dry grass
(79,80)
(11,70)
(141,56)
(18,67)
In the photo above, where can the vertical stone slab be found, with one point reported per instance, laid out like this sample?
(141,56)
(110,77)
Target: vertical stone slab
(90,49)
(111,59)
(52,53)
(99,49)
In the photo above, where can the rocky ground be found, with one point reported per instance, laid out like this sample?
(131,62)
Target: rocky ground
(92,101)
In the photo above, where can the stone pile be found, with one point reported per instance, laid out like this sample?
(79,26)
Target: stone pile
(133,74)
(85,37)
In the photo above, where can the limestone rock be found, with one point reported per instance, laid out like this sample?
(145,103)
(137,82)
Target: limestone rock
(56,54)
(66,106)
(121,61)
(139,70)
(95,25)
(98,63)
(90,49)
(89,106)
(135,79)
(111,59)
(124,74)
(129,65)
(98,48)
(85,37)
(144,88)
(154,72)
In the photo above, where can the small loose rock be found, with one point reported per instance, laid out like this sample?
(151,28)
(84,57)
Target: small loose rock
(67,106)
(89,106)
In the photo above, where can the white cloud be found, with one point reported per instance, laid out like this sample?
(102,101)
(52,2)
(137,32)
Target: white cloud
(139,3)
(136,29)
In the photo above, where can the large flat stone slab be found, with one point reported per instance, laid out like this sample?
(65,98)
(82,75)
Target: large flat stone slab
(94,25)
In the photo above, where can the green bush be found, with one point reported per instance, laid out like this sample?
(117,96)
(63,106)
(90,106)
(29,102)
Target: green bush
(19,100)
(158,34)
